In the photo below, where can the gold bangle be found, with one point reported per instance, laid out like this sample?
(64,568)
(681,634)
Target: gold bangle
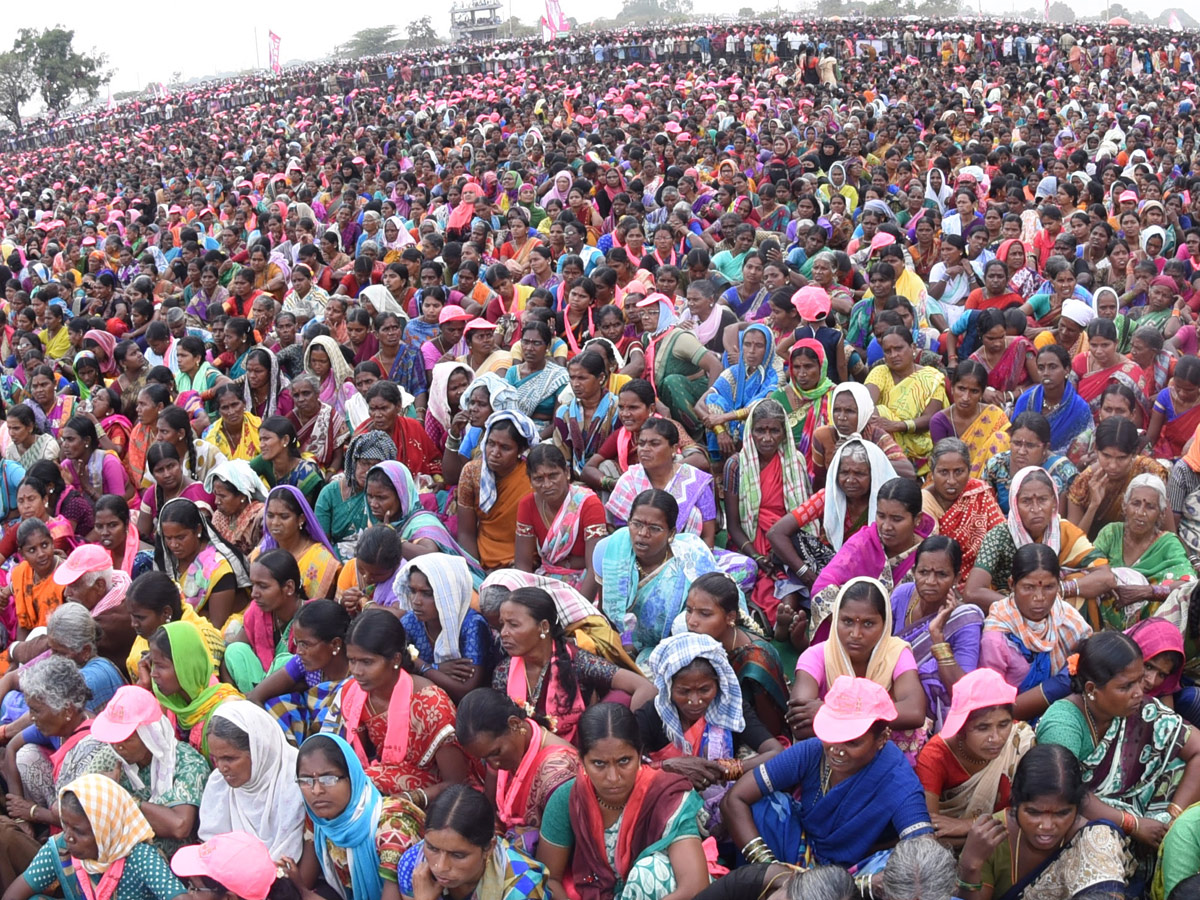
(32,810)
(719,429)
(942,650)
(1174,810)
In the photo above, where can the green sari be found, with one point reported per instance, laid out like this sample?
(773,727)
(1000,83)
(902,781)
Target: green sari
(1165,560)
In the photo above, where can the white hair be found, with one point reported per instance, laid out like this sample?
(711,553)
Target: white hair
(56,682)
(1147,480)
(72,626)
(88,579)
(920,869)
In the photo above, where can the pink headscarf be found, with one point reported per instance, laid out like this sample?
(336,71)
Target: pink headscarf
(108,343)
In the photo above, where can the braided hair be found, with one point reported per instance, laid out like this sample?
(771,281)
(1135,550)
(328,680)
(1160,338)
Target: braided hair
(541,607)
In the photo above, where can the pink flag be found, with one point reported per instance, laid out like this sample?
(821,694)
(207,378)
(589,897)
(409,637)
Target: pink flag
(273,52)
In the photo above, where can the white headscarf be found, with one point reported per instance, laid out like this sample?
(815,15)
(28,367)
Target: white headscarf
(940,196)
(269,804)
(381,298)
(862,399)
(451,582)
(439,403)
(159,738)
(1078,311)
(835,498)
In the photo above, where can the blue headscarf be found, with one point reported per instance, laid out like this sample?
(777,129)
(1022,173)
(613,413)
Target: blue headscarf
(353,829)
(736,387)
(488,492)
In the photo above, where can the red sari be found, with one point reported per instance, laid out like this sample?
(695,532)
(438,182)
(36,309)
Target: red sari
(770,510)
(1092,384)
(1176,432)
(416,448)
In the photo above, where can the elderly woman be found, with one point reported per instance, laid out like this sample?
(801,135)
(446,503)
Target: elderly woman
(1033,519)
(320,428)
(763,482)
(964,507)
(725,406)
(1096,497)
(1140,545)
(238,498)
(165,776)
(852,412)
(57,696)
(104,850)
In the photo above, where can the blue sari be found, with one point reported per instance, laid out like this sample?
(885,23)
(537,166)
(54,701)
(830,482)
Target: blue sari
(803,824)
(736,388)
(655,603)
(1067,421)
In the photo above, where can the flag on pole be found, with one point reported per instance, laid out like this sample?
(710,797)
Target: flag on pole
(273,51)
(1047,10)
(111,104)
(1173,22)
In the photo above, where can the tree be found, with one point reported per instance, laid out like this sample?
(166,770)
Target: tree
(16,88)
(59,71)
(1061,12)
(370,41)
(421,33)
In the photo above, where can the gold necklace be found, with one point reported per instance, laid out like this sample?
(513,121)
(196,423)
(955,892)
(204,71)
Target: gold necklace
(826,775)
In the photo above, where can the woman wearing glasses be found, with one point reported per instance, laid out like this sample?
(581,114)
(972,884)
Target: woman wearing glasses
(354,836)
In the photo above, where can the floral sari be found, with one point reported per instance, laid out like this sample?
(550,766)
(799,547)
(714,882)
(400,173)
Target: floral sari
(1010,373)
(645,606)
(322,435)
(907,399)
(1091,386)
(968,519)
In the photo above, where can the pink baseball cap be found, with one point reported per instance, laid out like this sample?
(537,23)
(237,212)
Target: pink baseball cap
(1127,195)
(979,689)
(453,314)
(811,303)
(851,707)
(83,559)
(128,708)
(480,324)
(636,287)
(238,861)
(881,240)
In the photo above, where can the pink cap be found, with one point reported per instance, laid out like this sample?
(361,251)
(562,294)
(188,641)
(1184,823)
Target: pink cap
(129,707)
(1127,195)
(851,707)
(453,314)
(882,239)
(83,559)
(479,325)
(652,300)
(173,209)
(636,287)
(239,861)
(811,303)
(975,690)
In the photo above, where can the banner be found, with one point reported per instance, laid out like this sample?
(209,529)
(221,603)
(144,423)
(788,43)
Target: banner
(273,51)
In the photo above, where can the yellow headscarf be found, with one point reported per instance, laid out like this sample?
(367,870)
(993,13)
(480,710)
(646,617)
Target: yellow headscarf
(883,658)
(117,822)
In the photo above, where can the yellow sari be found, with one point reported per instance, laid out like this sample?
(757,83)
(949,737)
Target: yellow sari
(907,400)
(986,436)
(247,447)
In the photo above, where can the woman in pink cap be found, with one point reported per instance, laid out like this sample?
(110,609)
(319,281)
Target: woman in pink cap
(233,866)
(967,768)
(854,787)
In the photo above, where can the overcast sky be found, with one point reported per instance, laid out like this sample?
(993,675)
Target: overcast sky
(145,47)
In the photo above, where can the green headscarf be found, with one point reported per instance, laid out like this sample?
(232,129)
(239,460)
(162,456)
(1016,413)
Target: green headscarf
(194,670)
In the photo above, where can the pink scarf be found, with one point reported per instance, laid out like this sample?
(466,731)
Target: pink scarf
(118,589)
(395,747)
(562,720)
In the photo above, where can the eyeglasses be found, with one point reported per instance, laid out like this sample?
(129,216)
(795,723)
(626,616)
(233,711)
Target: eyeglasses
(646,528)
(325,781)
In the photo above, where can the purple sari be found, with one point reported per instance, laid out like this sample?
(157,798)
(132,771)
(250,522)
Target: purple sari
(963,632)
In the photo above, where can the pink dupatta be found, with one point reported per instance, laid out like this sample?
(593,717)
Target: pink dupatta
(399,726)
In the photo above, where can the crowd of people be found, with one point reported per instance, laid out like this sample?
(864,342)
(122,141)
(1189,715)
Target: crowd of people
(709,461)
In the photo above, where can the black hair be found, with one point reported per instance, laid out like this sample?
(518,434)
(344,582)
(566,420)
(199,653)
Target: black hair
(1058,352)
(903,333)
(641,389)
(464,810)
(592,362)
(546,455)
(379,545)
(1117,433)
(324,745)
(989,319)
(1048,770)
(663,427)
(904,491)
(1188,889)
(969,368)
(159,451)
(177,419)
(229,732)
(542,608)
(1188,369)
(156,591)
(1032,421)
(29,529)
(1102,328)
(386,391)
(283,568)
(484,710)
(159,395)
(1035,558)
(660,500)
(1117,389)
(867,592)
(116,505)
(720,587)
(542,330)
(325,618)
(282,428)
(86,429)
(939,543)
(1102,657)
(25,416)
(603,721)
(378,632)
